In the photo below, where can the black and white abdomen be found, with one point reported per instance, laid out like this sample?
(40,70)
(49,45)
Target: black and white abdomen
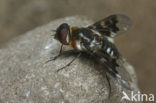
(109,48)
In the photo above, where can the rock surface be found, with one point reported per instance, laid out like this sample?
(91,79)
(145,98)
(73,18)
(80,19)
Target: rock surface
(26,78)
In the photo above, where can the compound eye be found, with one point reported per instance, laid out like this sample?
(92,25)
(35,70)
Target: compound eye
(63,34)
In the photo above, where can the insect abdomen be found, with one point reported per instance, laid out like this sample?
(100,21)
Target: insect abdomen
(109,48)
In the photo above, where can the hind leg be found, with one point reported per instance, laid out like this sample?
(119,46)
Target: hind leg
(110,89)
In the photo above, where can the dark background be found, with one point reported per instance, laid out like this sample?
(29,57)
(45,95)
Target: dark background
(138,45)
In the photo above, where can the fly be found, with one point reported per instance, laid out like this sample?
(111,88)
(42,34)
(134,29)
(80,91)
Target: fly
(95,40)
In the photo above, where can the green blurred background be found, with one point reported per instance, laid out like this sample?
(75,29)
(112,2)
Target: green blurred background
(138,45)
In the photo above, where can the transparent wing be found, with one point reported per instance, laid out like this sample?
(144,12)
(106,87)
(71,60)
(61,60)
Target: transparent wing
(112,25)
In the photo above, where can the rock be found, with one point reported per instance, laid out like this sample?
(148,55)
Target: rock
(26,78)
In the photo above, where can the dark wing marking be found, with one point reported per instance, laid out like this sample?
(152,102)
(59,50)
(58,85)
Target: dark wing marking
(112,25)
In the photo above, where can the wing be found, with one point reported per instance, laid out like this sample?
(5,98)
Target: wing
(112,25)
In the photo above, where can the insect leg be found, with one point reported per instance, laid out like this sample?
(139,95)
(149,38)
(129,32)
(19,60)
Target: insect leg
(69,62)
(55,57)
(110,89)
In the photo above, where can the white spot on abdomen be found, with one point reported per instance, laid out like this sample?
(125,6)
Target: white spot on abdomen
(108,50)
(112,53)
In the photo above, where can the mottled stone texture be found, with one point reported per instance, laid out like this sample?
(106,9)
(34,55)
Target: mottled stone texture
(26,78)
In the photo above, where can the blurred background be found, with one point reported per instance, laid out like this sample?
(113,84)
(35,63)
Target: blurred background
(137,46)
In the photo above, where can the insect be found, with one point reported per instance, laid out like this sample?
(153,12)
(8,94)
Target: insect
(95,40)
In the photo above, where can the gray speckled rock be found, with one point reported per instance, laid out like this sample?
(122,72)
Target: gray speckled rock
(25,78)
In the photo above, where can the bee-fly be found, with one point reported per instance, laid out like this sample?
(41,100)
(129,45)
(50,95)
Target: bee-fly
(96,40)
